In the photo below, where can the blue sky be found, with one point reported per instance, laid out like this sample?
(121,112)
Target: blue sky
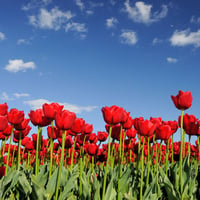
(89,54)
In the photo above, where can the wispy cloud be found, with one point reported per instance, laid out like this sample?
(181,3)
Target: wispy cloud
(19,95)
(185,37)
(22,41)
(80,4)
(52,19)
(2,36)
(128,37)
(32,4)
(5,97)
(172,60)
(35,104)
(195,20)
(142,13)
(19,65)
(111,22)
(156,41)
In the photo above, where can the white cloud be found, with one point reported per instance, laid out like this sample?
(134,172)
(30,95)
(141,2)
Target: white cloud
(95,5)
(22,41)
(52,19)
(128,37)
(77,27)
(5,97)
(184,38)
(35,104)
(113,2)
(89,12)
(156,41)
(19,65)
(80,4)
(19,95)
(111,22)
(141,12)
(2,36)
(32,4)
(172,60)
(195,20)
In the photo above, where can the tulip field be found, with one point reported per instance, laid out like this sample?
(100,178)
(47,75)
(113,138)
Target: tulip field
(133,158)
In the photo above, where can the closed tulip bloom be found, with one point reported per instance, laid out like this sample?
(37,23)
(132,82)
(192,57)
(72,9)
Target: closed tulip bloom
(22,125)
(3,109)
(146,128)
(78,125)
(38,119)
(163,132)
(173,125)
(15,116)
(136,122)
(102,136)
(65,119)
(25,140)
(131,133)
(2,171)
(24,133)
(68,142)
(183,100)
(113,114)
(88,128)
(3,122)
(29,145)
(93,138)
(51,109)
(8,130)
(92,149)
(129,123)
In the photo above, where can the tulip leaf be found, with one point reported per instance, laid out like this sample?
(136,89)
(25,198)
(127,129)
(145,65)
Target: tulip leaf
(24,185)
(110,192)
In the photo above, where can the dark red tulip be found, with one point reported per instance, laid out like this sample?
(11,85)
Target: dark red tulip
(115,134)
(65,119)
(136,121)
(113,114)
(29,145)
(2,171)
(25,140)
(38,119)
(92,149)
(68,141)
(3,122)
(3,109)
(78,125)
(15,116)
(51,109)
(102,136)
(22,125)
(93,138)
(24,133)
(183,100)
(8,130)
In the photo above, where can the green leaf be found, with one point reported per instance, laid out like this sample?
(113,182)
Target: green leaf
(24,185)
(124,181)
(110,192)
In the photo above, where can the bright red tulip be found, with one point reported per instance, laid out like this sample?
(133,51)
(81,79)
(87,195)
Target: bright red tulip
(3,109)
(146,127)
(38,119)
(183,100)
(113,114)
(51,109)
(55,132)
(129,123)
(3,122)
(22,125)
(92,149)
(88,128)
(163,132)
(15,116)
(131,133)
(25,140)
(102,136)
(78,125)
(65,119)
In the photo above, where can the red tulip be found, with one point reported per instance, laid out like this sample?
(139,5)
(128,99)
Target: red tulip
(22,125)
(68,141)
(15,116)
(129,123)
(29,145)
(78,125)
(55,132)
(65,119)
(38,119)
(102,136)
(163,132)
(131,133)
(51,109)
(183,100)
(93,138)
(24,133)
(92,149)
(113,114)
(8,130)
(25,140)
(3,109)
(2,171)
(3,122)
(88,128)
(146,127)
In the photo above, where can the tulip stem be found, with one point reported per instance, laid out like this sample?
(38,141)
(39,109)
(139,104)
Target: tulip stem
(61,163)
(51,149)
(18,150)
(172,150)
(38,145)
(148,165)
(167,155)
(8,157)
(107,162)
(72,158)
(189,150)
(142,169)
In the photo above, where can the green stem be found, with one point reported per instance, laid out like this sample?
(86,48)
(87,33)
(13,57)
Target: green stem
(142,170)
(112,155)
(72,158)
(148,165)
(38,146)
(61,164)
(189,150)
(8,158)
(167,155)
(18,150)
(107,162)
(51,149)
(181,153)
(172,150)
